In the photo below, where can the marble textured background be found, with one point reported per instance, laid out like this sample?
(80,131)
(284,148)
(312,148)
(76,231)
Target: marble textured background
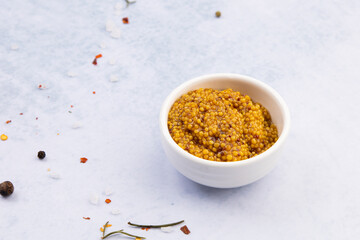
(307,50)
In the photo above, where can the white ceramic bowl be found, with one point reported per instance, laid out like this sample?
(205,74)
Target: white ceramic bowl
(227,174)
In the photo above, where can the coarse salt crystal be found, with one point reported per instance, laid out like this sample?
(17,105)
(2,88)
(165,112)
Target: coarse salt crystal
(108,191)
(54,175)
(94,199)
(115,33)
(118,6)
(14,46)
(71,74)
(102,45)
(112,61)
(76,125)
(167,229)
(110,26)
(114,78)
(115,211)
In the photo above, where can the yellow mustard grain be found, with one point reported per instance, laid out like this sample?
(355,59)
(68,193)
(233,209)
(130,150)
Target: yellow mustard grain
(221,125)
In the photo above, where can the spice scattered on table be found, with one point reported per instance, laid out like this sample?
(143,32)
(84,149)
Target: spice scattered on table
(3,137)
(76,125)
(8,121)
(147,229)
(115,33)
(115,211)
(108,191)
(42,87)
(94,199)
(218,14)
(102,45)
(103,230)
(96,58)
(21,114)
(128,2)
(108,201)
(185,229)
(125,20)
(83,160)
(6,188)
(54,175)
(114,78)
(41,155)
(155,226)
(94,92)
(110,26)
(86,218)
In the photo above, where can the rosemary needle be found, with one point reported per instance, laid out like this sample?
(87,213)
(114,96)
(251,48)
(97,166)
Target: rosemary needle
(122,232)
(105,226)
(156,226)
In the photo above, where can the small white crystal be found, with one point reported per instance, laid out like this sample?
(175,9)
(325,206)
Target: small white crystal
(76,125)
(108,191)
(115,211)
(94,199)
(102,45)
(115,33)
(167,229)
(54,175)
(110,26)
(118,6)
(71,74)
(114,78)
(112,61)
(14,46)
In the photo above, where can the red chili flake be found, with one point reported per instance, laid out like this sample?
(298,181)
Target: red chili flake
(94,92)
(185,229)
(147,228)
(40,86)
(96,57)
(71,106)
(86,218)
(36,118)
(8,121)
(83,160)
(21,114)
(108,201)
(125,20)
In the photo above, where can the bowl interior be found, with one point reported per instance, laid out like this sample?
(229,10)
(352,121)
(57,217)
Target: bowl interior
(258,91)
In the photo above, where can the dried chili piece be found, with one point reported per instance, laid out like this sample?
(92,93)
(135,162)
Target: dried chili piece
(96,57)
(83,160)
(8,121)
(125,20)
(108,201)
(86,218)
(185,229)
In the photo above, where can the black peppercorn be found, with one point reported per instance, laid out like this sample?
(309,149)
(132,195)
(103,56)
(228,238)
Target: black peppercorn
(6,188)
(41,154)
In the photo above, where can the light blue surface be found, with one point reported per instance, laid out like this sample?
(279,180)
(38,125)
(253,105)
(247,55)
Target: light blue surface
(307,50)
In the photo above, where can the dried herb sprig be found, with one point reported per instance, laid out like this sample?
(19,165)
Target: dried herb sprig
(122,232)
(105,226)
(155,226)
(128,2)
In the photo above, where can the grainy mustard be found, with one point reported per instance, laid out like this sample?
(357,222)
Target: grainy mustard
(221,125)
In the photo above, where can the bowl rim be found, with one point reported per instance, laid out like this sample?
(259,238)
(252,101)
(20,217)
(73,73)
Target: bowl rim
(204,78)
